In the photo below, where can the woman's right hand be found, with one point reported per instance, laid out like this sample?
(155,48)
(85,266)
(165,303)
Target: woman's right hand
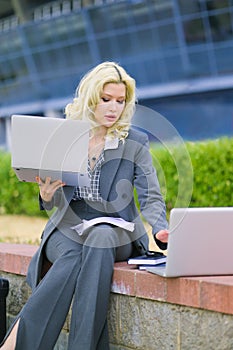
(162,236)
(48,188)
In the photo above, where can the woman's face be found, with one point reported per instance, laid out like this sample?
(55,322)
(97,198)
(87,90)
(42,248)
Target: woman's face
(111,105)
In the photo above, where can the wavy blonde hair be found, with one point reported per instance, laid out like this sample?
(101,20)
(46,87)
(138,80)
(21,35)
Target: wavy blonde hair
(88,95)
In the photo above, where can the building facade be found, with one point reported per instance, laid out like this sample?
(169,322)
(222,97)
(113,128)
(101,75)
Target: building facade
(175,49)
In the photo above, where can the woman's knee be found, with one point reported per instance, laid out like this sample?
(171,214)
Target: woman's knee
(106,236)
(59,245)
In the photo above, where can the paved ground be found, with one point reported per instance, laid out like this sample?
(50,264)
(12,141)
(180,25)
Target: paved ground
(21,229)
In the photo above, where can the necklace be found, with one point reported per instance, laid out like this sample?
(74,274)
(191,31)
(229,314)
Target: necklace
(95,148)
(95,153)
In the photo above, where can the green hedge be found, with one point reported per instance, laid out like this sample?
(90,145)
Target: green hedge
(190,174)
(16,197)
(196,174)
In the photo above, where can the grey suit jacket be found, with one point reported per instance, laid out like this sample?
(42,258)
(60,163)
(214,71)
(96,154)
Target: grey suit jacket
(125,168)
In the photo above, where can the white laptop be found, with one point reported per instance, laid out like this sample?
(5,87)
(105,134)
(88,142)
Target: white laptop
(54,147)
(200,243)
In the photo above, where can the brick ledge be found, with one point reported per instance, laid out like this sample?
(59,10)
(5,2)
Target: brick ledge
(213,293)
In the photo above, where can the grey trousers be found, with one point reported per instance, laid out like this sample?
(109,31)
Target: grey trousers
(81,275)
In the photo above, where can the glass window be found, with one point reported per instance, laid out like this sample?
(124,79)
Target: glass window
(59,86)
(4,47)
(76,26)
(20,91)
(154,71)
(109,17)
(2,131)
(40,34)
(136,43)
(7,73)
(34,34)
(163,9)
(42,62)
(189,7)
(175,69)
(119,15)
(199,63)
(5,94)
(49,32)
(223,56)
(19,66)
(144,12)
(167,35)
(13,68)
(220,27)
(122,14)
(194,31)
(140,13)
(107,48)
(59,29)
(55,31)
(11,43)
(62,59)
(98,19)
(148,40)
(212,5)
(77,55)
(50,61)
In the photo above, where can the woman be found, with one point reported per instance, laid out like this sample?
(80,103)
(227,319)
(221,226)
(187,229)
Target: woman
(82,265)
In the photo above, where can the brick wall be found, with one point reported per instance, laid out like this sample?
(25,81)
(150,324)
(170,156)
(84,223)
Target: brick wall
(146,312)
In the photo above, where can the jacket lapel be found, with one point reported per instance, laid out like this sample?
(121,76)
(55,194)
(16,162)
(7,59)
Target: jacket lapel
(109,169)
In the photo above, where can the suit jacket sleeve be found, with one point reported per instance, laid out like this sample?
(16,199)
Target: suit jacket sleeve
(55,202)
(151,202)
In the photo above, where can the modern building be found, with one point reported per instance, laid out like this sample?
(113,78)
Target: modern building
(179,51)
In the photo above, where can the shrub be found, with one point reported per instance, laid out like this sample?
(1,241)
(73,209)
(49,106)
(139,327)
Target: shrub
(205,179)
(16,197)
(213,169)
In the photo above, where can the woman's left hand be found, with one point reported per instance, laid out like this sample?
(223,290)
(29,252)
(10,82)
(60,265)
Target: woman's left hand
(162,235)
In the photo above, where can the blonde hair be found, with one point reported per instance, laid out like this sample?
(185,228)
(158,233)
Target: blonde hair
(88,94)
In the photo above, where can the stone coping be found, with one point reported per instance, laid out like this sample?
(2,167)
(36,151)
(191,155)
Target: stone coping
(213,293)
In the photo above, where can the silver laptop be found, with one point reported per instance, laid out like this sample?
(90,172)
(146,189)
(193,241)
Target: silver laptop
(200,243)
(58,148)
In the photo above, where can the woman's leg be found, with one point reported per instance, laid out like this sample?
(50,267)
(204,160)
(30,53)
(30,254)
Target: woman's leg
(10,341)
(42,317)
(88,329)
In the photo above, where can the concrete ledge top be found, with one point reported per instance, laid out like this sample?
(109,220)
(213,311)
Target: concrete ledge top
(213,293)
